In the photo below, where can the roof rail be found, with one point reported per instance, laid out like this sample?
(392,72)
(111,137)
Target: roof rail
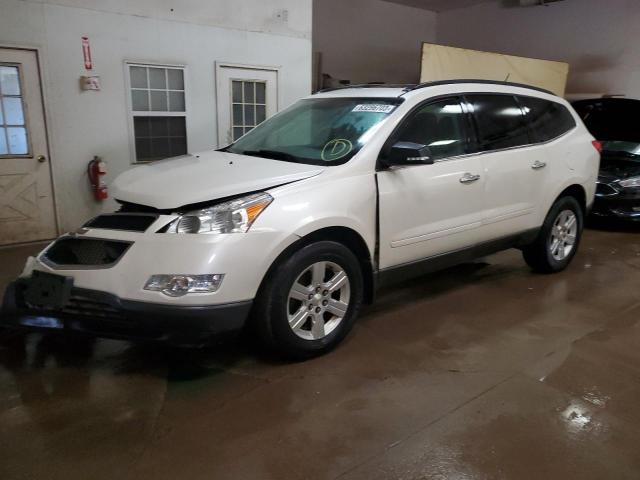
(471,80)
(410,87)
(405,86)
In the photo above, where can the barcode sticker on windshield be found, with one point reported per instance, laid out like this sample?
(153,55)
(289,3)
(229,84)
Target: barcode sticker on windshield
(374,108)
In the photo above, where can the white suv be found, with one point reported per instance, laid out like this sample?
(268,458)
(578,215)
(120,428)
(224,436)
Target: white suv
(296,224)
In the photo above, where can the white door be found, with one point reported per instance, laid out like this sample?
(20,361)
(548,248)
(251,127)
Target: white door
(26,197)
(245,97)
(426,210)
(515,177)
(515,185)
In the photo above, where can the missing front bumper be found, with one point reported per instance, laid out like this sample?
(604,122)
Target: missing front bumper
(106,315)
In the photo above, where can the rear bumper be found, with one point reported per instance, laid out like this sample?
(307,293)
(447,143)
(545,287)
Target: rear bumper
(106,315)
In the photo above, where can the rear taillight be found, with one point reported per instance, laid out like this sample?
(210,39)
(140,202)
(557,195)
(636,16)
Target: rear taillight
(597,145)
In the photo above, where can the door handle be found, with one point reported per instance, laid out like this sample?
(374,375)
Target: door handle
(41,158)
(537,165)
(469,178)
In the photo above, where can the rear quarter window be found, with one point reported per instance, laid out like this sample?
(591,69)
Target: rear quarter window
(499,120)
(548,120)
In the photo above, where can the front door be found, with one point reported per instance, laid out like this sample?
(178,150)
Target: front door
(26,195)
(245,97)
(427,210)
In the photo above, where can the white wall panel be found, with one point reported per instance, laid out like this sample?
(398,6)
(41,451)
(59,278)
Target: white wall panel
(598,39)
(371,40)
(84,124)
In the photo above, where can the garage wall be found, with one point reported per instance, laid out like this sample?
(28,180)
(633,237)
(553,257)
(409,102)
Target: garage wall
(371,40)
(195,33)
(598,39)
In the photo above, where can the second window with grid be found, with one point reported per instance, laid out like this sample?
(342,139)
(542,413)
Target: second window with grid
(249,105)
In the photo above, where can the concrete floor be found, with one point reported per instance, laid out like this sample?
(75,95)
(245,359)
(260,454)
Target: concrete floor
(482,371)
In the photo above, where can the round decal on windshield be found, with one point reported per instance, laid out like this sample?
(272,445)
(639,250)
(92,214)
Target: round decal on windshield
(335,149)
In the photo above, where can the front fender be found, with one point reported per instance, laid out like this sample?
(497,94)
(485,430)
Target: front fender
(304,207)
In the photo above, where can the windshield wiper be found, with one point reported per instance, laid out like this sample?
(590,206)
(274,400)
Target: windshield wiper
(274,154)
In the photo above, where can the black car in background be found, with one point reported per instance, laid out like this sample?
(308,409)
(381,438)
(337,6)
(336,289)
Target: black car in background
(615,122)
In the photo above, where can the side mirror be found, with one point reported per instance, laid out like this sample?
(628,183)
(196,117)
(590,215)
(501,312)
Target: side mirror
(408,153)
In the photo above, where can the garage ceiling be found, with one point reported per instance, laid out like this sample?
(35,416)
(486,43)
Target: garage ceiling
(439,5)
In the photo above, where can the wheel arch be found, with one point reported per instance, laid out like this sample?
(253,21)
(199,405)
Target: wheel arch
(576,191)
(340,234)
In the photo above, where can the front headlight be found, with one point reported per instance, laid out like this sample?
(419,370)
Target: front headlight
(633,182)
(234,216)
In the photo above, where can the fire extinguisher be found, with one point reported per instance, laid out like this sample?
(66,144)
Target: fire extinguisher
(96,170)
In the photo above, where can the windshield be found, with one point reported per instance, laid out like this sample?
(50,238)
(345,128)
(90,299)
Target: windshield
(318,131)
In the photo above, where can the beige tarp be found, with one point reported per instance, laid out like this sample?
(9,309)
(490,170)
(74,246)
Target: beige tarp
(445,63)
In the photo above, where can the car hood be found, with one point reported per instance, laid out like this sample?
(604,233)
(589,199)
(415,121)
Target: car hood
(173,183)
(614,168)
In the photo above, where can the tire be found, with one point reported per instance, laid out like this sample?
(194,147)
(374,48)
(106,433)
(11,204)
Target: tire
(544,255)
(279,317)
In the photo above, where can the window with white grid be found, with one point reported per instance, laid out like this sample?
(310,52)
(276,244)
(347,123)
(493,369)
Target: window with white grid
(158,110)
(13,125)
(249,105)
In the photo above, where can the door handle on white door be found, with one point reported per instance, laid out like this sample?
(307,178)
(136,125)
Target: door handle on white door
(469,178)
(537,165)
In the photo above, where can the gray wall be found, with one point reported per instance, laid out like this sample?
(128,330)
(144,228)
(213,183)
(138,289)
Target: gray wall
(599,39)
(371,40)
(195,34)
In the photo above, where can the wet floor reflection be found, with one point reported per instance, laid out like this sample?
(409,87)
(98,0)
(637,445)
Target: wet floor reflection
(482,371)
(30,360)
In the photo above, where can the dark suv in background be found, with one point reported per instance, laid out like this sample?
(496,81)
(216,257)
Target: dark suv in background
(615,122)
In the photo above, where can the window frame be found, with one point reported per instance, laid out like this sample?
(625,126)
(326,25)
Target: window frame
(478,147)
(153,113)
(533,137)
(393,137)
(25,115)
(534,134)
(471,127)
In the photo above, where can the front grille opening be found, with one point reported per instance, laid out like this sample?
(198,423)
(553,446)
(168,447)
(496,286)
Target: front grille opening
(79,305)
(86,252)
(119,221)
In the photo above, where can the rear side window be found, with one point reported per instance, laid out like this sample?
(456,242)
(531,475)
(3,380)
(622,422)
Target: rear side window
(548,120)
(499,120)
(440,126)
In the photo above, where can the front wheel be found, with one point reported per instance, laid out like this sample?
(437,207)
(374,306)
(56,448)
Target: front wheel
(559,237)
(310,301)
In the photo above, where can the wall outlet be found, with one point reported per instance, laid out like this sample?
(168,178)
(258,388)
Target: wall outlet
(282,15)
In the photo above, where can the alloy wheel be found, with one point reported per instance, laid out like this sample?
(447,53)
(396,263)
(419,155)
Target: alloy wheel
(563,235)
(318,300)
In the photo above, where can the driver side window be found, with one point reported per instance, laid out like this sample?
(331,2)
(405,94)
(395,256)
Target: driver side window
(439,125)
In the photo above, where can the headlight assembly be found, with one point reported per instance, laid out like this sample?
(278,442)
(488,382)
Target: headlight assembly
(234,216)
(633,182)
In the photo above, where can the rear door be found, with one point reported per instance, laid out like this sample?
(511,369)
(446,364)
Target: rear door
(513,166)
(426,210)
(550,122)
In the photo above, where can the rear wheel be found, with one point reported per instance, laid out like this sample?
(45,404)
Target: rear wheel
(559,237)
(310,301)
